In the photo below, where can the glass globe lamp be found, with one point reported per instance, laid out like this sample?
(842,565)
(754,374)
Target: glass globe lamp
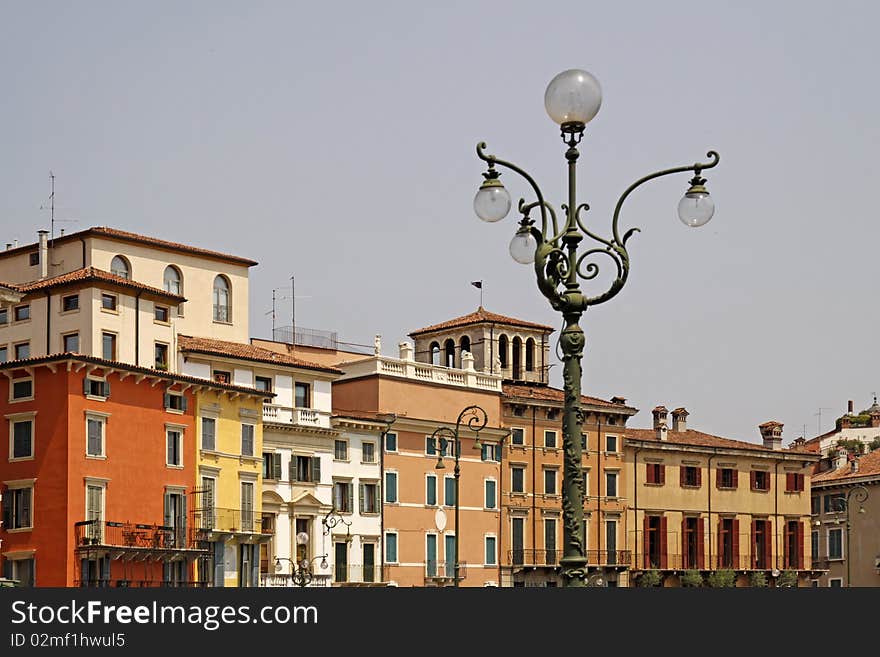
(573,96)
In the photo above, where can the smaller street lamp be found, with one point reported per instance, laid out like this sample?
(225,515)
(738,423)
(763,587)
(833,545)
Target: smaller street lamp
(842,504)
(476,419)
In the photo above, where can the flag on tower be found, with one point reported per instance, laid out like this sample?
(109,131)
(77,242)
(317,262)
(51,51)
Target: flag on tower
(477,284)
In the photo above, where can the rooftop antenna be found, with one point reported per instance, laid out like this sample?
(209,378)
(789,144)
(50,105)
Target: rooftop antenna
(51,209)
(819,423)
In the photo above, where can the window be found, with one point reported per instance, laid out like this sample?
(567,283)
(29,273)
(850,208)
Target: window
(451,554)
(108,302)
(815,504)
(17,505)
(449,491)
(247,506)
(70,302)
(222,377)
(21,313)
(21,570)
(343,496)
(222,307)
(302,396)
(161,353)
(502,351)
(209,433)
(174,401)
(655,473)
(4,354)
(834,503)
(610,540)
(108,346)
(794,482)
(22,350)
(21,439)
(517,479)
(4,316)
(814,545)
(610,443)
(70,343)
(490,452)
(340,450)
(120,267)
(727,478)
(431,446)
(391,487)
(611,484)
(491,487)
(34,258)
(390,442)
(584,442)
(550,556)
(431,490)
(490,543)
(391,547)
(263,383)
(247,439)
(836,583)
(161,313)
(174,447)
(22,388)
(369,498)
(95,432)
(368,453)
(517,436)
(271,465)
(835,543)
(760,480)
(96,388)
(172,280)
(549,438)
(690,476)
(530,355)
(305,468)
(550,482)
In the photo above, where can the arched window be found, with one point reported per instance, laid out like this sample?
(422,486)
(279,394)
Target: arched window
(435,353)
(449,353)
(530,355)
(502,351)
(120,267)
(517,358)
(173,281)
(222,305)
(465,343)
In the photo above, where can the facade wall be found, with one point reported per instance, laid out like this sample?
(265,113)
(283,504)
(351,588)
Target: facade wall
(64,257)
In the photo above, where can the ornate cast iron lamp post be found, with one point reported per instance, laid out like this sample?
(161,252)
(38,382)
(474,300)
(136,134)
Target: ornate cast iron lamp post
(572,99)
(301,573)
(860,493)
(476,419)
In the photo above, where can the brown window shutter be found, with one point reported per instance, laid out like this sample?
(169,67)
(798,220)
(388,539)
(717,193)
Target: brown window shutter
(800,545)
(720,551)
(717,477)
(699,476)
(649,473)
(768,544)
(800,482)
(754,549)
(681,471)
(646,541)
(789,482)
(753,480)
(664,556)
(735,478)
(701,546)
(684,543)
(785,543)
(736,543)
(662,469)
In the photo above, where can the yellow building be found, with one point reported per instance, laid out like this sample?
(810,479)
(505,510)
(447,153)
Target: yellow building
(699,504)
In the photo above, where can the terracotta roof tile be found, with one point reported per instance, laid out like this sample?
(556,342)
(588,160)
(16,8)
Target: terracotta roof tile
(548,393)
(91,275)
(869,465)
(247,352)
(481,315)
(700,439)
(114,233)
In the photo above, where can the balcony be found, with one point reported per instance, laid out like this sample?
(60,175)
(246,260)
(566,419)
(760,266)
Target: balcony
(407,368)
(443,572)
(136,583)
(360,575)
(535,558)
(128,540)
(214,523)
(738,562)
(286,580)
(289,415)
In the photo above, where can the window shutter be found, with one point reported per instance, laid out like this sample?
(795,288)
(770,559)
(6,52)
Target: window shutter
(681,474)
(169,520)
(276,466)
(350,498)
(735,478)
(291,469)
(699,476)
(753,480)
(106,388)
(800,482)
(361,497)
(105,569)
(720,551)
(7,510)
(768,544)
(86,385)
(701,544)
(316,469)
(684,550)
(166,400)
(736,543)
(662,469)
(169,448)
(800,546)
(184,403)
(646,541)
(663,545)
(754,549)
(649,473)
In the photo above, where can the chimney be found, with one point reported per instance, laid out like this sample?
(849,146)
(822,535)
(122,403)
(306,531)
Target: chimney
(662,431)
(660,414)
(44,253)
(771,432)
(842,458)
(618,400)
(679,420)
(467,361)
(849,407)
(406,351)
(854,464)
(8,245)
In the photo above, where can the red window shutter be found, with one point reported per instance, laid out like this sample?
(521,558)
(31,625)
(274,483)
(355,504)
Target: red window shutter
(800,545)
(646,541)
(735,478)
(699,476)
(681,470)
(717,477)
(684,550)
(735,543)
(768,544)
(753,480)
(800,482)
(701,544)
(720,542)
(663,544)
(785,555)
(754,549)
(662,469)
(789,481)
(649,478)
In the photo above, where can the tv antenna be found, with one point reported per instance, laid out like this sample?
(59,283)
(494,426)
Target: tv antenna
(51,209)
(819,422)
(292,298)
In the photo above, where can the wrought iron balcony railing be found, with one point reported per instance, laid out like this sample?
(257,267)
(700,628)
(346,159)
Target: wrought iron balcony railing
(217,519)
(91,533)
(539,557)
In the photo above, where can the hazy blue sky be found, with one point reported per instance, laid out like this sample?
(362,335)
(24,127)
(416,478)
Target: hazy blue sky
(335,142)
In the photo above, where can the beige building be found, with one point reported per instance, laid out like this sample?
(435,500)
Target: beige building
(699,503)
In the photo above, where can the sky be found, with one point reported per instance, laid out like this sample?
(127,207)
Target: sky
(335,143)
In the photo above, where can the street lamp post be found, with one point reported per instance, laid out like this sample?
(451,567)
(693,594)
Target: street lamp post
(860,493)
(476,419)
(301,572)
(572,99)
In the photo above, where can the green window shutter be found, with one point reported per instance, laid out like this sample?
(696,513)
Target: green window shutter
(431,492)
(86,385)
(349,498)
(166,400)
(184,403)
(276,466)
(106,388)
(291,469)
(316,469)
(431,446)
(362,496)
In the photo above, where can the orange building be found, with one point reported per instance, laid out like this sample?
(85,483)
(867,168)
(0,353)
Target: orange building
(98,472)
